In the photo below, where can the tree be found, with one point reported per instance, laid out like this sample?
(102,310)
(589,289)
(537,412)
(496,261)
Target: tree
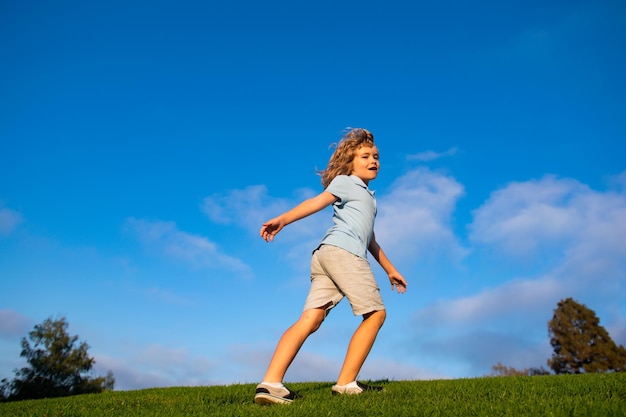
(58,366)
(580,343)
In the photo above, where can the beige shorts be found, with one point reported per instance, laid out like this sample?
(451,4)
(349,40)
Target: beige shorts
(336,273)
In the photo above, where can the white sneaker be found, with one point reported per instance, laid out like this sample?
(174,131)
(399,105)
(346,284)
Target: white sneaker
(343,389)
(266,395)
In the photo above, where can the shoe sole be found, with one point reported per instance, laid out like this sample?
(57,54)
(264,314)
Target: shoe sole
(267,399)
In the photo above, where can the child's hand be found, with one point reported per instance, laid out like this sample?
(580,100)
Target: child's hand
(397,281)
(271,228)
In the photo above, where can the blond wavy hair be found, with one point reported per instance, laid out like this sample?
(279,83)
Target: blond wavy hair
(340,162)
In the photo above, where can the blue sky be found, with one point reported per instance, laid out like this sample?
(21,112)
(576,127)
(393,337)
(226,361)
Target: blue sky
(142,145)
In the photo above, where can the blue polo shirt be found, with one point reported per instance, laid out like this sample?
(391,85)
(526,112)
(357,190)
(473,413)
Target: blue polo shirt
(353,215)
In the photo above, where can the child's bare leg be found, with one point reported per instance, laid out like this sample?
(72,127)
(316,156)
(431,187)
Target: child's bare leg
(360,346)
(291,342)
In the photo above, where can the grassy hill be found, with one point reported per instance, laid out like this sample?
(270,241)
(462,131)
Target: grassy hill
(563,395)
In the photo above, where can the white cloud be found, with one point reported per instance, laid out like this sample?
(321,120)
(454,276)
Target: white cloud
(526,217)
(428,156)
(251,206)
(9,220)
(571,239)
(198,251)
(415,216)
(471,334)
(228,208)
(500,303)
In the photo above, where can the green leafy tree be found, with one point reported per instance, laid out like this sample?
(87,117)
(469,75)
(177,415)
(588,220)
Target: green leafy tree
(580,343)
(59,366)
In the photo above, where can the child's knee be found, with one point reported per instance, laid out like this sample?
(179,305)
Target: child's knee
(377,316)
(313,319)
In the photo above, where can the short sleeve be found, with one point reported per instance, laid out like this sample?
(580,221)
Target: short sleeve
(340,187)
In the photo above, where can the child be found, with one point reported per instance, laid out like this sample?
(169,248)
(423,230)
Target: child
(339,267)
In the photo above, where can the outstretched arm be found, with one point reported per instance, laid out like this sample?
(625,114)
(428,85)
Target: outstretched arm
(395,278)
(271,227)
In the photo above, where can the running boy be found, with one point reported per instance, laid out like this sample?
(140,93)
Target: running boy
(339,267)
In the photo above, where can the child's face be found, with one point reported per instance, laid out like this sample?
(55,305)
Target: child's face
(365,164)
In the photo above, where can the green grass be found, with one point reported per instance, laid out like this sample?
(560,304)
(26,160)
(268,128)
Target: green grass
(562,395)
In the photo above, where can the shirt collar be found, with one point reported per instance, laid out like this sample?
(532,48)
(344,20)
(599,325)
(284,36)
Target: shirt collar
(359,181)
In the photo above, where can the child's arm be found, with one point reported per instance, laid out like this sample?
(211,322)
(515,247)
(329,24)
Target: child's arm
(306,208)
(396,279)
